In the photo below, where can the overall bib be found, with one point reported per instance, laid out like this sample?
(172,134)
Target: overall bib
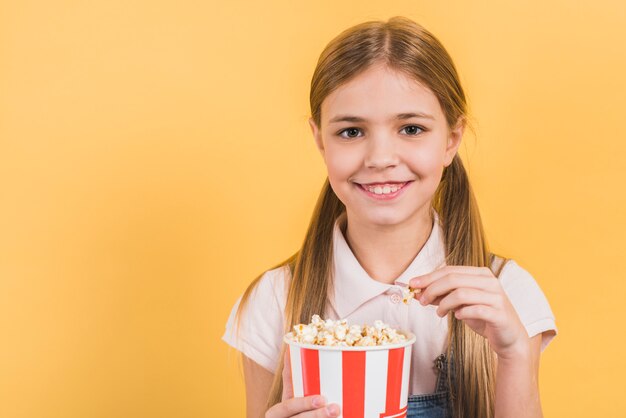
(433,405)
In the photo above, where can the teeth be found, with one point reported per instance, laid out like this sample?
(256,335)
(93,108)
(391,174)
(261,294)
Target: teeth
(386,189)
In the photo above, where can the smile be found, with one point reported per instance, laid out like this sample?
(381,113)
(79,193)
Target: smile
(384,191)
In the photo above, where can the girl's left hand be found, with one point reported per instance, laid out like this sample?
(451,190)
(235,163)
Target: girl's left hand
(475,296)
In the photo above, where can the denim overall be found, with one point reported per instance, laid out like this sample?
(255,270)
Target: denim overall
(433,405)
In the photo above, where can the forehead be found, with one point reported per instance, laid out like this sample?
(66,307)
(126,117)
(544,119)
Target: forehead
(378,94)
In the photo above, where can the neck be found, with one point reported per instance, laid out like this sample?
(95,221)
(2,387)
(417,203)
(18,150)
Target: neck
(385,251)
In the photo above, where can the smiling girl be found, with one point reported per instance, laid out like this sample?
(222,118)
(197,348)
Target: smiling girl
(388,114)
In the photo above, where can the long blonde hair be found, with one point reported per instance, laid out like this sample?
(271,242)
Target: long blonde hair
(407,47)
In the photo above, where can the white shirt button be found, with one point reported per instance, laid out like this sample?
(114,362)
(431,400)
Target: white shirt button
(395,298)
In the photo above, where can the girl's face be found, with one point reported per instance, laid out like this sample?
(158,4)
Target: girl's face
(385,142)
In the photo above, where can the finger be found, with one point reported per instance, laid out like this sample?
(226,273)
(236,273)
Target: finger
(482,312)
(295,406)
(427,279)
(287,379)
(454,281)
(465,296)
(331,410)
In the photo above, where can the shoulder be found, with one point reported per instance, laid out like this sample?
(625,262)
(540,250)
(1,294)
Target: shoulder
(278,275)
(268,293)
(273,285)
(514,277)
(516,280)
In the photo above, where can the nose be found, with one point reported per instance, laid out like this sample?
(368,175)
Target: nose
(381,152)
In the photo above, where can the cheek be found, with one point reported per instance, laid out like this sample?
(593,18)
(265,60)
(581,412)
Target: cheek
(427,164)
(341,165)
(429,167)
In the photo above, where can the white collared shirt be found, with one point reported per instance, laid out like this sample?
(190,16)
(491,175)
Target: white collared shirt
(360,299)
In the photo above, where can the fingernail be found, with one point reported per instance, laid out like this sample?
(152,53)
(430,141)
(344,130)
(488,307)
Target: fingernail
(422,299)
(415,282)
(318,401)
(332,410)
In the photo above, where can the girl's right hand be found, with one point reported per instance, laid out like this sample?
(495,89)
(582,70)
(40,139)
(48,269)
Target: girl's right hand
(313,406)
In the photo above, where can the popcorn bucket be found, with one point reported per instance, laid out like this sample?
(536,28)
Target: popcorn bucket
(367,382)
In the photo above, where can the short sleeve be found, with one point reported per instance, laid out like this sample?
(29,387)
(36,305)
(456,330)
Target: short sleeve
(262,321)
(529,302)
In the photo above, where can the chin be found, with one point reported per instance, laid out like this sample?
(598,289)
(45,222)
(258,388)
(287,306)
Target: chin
(385,219)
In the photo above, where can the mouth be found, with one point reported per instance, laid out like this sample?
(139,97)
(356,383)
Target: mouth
(384,191)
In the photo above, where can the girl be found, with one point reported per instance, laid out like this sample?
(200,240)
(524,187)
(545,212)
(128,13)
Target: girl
(388,115)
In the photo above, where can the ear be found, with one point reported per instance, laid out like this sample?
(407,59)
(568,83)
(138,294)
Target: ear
(454,141)
(317,136)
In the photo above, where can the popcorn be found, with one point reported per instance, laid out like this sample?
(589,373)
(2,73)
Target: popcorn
(408,293)
(339,333)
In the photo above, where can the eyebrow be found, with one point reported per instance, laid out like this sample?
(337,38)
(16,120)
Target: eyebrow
(399,116)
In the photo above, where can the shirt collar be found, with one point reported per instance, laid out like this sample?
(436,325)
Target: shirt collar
(353,286)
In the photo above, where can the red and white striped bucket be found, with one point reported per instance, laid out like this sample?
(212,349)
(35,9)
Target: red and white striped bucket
(367,382)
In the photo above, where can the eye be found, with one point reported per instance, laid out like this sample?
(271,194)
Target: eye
(350,131)
(412,131)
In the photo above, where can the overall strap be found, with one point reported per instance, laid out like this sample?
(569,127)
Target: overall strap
(497,264)
(442,365)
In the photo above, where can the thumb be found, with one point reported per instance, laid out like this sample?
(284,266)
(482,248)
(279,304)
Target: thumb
(287,382)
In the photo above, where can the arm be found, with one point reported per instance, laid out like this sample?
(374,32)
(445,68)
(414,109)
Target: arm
(258,383)
(517,389)
(477,298)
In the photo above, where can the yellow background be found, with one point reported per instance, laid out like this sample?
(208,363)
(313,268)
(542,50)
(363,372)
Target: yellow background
(155,157)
